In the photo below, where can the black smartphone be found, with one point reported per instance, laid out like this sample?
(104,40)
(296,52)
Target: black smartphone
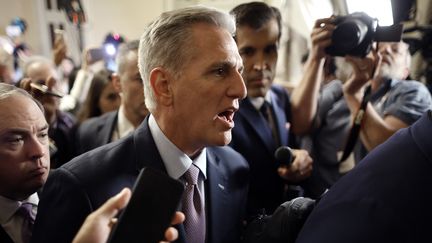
(155,198)
(96,54)
(44,89)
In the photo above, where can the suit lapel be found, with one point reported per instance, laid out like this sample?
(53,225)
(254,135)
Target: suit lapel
(216,196)
(108,127)
(258,123)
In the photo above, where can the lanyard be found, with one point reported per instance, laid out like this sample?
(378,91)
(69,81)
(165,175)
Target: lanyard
(355,128)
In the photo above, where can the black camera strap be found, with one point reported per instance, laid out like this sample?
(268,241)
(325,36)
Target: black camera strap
(355,128)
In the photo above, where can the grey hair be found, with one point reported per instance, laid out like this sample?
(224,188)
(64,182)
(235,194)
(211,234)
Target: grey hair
(164,42)
(7,90)
(35,59)
(123,51)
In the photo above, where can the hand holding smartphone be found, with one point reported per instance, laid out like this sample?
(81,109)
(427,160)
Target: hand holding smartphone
(44,89)
(155,198)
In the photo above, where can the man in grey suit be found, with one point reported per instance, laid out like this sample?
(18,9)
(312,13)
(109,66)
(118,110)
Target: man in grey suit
(114,125)
(192,99)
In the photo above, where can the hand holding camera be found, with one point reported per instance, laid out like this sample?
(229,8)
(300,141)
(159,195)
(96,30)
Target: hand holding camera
(321,37)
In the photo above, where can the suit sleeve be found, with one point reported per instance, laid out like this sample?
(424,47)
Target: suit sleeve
(63,208)
(356,221)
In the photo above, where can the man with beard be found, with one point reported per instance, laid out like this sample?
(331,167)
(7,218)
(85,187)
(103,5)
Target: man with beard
(394,103)
(266,115)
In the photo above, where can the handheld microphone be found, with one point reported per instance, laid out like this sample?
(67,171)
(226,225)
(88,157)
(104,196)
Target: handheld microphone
(284,155)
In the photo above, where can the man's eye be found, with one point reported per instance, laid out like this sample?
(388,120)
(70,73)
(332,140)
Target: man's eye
(221,72)
(15,140)
(247,52)
(43,135)
(271,49)
(112,96)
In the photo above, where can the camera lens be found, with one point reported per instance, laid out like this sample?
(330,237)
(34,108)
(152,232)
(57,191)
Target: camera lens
(349,34)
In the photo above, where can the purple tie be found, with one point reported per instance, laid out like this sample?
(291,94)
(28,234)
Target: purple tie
(25,211)
(193,207)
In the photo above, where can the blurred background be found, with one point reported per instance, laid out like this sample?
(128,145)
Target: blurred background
(93,23)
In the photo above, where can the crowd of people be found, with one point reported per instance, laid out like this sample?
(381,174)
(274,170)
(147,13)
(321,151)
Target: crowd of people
(195,98)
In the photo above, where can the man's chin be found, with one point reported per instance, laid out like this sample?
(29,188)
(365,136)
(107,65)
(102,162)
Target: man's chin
(222,139)
(255,93)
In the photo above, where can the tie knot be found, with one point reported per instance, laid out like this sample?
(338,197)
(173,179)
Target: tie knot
(265,106)
(191,175)
(266,111)
(26,210)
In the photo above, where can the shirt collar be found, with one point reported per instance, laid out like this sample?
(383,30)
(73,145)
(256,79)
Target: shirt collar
(257,102)
(124,126)
(176,161)
(9,206)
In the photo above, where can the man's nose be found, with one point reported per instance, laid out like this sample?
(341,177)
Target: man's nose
(36,149)
(238,88)
(260,62)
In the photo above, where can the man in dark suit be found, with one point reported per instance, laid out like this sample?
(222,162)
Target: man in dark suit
(117,124)
(385,198)
(192,99)
(24,166)
(24,162)
(258,133)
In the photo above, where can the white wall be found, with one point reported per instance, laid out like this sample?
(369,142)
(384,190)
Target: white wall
(126,17)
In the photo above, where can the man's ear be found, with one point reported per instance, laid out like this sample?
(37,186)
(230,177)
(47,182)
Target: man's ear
(160,82)
(115,79)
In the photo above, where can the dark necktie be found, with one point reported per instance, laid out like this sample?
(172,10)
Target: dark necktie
(193,207)
(267,112)
(25,211)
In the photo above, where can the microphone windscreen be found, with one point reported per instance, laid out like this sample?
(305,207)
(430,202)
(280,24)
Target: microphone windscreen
(284,155)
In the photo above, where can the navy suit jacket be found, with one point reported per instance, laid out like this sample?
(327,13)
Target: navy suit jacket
(85,183)
(387,197)
(252,138)
(4,237)
(95,132)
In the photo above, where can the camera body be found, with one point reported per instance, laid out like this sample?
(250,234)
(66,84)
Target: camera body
(355,33)
(283,225)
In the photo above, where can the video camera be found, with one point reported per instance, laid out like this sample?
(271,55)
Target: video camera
(283,225)
(355,33)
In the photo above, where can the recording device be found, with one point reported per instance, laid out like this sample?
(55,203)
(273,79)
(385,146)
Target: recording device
(155,198)
(96,54)
(284,155)
(44,89)
(355,33)
(283,226)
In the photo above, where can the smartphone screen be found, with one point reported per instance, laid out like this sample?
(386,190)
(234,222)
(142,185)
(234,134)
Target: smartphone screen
(155,198)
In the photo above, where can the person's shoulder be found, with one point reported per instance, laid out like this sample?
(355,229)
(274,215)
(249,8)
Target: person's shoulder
(409,85)
(99,121)
(109,157)
(229,155)
(279,90)
(66,119)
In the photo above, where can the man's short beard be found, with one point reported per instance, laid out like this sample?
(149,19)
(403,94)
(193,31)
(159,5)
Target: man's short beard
(389,72)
